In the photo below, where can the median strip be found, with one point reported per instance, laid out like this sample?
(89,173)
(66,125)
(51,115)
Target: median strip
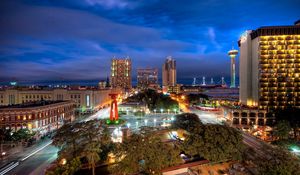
(34,152)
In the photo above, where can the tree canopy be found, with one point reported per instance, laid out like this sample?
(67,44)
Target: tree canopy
(214,143)
(154,100)
(145,153)
(196,98)
(290,114)
(186,121)
(281,162)
(282,129)
(82,140)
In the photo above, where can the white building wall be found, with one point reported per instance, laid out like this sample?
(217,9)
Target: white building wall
(245,68)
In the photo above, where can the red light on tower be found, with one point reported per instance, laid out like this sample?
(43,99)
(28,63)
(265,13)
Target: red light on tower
(114,108)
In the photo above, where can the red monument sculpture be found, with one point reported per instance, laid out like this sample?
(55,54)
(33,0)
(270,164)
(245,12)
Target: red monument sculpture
(114,108)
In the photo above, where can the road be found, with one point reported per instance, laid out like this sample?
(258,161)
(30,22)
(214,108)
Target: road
(207,117)
(36,164)
(101,114)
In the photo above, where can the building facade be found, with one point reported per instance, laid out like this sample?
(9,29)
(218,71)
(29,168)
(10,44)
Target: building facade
(270,67)
(120,73)
(147,78)
(174,89)
(42,116)
(169,72)
(85,99)
(243,117)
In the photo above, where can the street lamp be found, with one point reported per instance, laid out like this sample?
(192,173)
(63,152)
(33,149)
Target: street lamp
(155,111)
(175,111)
(161,110)
(146,122)
(168,111)
(154,122)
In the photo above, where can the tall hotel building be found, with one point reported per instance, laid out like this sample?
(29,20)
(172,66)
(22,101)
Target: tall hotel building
(147,78)
(270,67)
(120,73)
(169,72)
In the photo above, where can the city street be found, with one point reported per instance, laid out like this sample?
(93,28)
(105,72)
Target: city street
(207,117)
(101,114)
(36,164)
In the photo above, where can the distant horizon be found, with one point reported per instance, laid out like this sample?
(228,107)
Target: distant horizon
(185,81)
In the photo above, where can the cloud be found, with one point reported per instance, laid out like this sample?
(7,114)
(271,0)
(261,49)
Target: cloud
(110,4)
(76,39)
(212,37)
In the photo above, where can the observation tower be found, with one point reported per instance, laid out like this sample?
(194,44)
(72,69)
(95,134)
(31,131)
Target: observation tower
(232,54)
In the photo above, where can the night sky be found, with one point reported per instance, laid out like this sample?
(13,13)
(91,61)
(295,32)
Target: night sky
(75,39)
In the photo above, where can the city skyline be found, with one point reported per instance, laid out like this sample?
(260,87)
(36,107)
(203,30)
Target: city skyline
(76,40)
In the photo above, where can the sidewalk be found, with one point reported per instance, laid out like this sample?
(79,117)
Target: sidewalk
(23,152)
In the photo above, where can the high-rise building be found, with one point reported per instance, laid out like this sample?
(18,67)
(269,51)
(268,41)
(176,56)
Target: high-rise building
(270,67)
(147,78)
(120,73)
(232,54)
(169,72)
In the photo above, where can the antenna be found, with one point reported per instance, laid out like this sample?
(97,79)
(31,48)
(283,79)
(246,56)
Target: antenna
(212,81)
(194,82)
(203,81)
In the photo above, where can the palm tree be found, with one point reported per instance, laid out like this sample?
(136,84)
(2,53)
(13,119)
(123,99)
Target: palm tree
(91,152)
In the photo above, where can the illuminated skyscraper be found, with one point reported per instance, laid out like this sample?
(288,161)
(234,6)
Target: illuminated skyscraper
(121,73)
(232,54)
(270,67)
(147,77)
(169,72)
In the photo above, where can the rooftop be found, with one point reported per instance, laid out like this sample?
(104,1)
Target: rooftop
(276,30)
(31,104)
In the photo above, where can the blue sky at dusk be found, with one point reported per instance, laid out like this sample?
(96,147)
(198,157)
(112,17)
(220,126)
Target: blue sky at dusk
(75,39)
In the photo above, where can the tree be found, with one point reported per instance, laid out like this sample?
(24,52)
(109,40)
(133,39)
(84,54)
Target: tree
(67,169)
(67,138)
(290,114)
(186,121)
(145,153)
(282,129)
(86,139)
(214,143)
(279,162)
(22,134)
(154,100)
(91,152)
(196,98)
